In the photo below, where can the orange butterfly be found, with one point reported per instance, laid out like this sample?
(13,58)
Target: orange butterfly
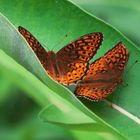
(104,74)
(70,63)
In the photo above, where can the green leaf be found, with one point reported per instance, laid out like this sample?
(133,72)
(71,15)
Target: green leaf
(50,28)
(32,129)
(68,115)
(5,88)
(38,92)
(128,19)
(62,110)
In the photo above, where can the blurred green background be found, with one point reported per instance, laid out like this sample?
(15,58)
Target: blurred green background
(18,113)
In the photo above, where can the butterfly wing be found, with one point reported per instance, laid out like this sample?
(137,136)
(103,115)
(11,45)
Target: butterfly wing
(71,62)
(74,58)
(104,74)
(35,45)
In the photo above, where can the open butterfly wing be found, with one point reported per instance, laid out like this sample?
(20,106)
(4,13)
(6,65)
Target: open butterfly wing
(35,45)
(82,49)
(74,58)
(71,62)
(104,74)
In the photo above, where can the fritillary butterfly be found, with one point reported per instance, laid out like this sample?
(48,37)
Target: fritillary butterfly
(71,62)
(104,74)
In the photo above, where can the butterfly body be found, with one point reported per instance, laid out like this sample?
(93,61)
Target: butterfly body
(104,74)
(70,63)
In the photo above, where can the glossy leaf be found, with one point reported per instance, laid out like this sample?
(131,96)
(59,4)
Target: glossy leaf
(50,28)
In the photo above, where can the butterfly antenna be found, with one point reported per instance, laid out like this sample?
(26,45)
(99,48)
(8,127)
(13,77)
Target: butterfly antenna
(60,42)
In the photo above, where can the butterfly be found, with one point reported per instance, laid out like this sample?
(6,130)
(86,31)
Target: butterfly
(71,62)
(104,74)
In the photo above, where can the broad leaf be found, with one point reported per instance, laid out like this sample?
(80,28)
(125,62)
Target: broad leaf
(50,21)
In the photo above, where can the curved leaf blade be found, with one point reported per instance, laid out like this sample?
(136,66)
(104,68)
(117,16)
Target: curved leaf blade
(71,25)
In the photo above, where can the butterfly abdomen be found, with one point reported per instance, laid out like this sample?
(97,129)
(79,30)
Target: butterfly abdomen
(52,66)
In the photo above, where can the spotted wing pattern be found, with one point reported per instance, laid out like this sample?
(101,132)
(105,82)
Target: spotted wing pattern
(35,45)
(104,74)
(70,63)
(74,58)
